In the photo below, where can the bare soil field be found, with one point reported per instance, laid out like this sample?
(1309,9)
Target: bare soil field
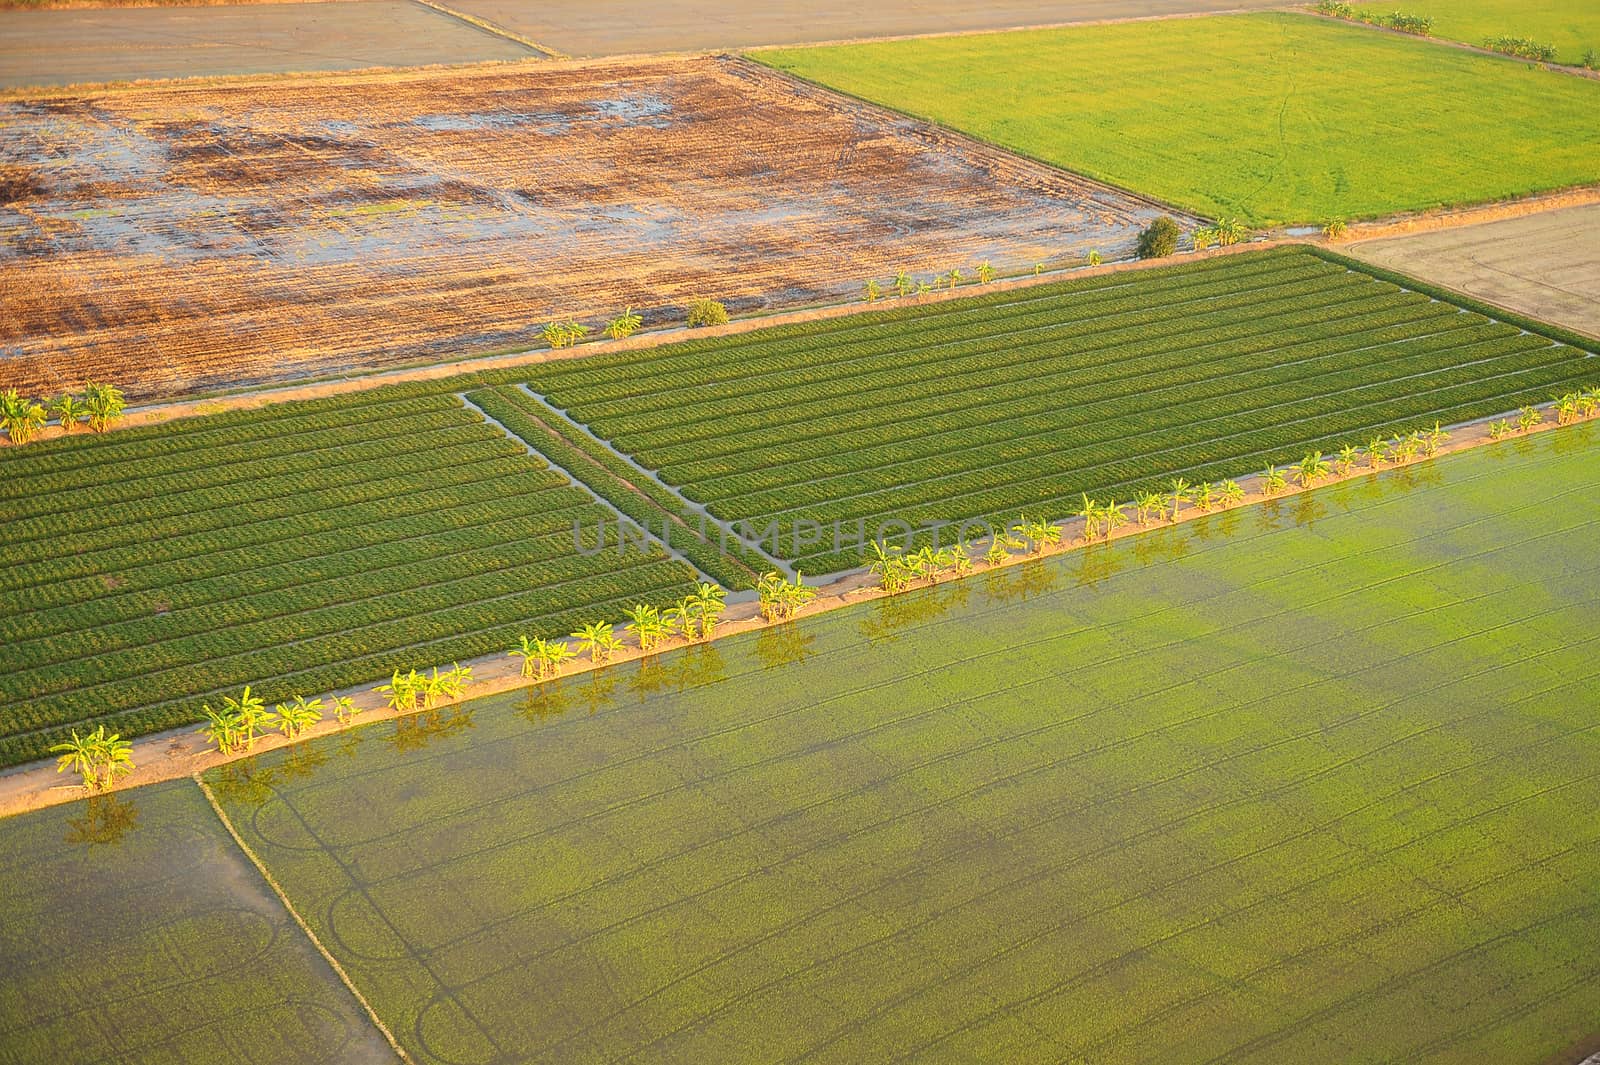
(182,239)
(72,47)
(620,27)
(1544,265)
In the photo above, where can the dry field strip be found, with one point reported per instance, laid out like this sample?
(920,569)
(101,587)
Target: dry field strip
(183,239)
(74,47)
(1546,265)
(621,27)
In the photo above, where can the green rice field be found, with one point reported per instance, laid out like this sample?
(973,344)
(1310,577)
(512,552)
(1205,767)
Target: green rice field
(1022,401)
(1312,781)
(300,548)
(1571,26)
(1271,118)
(135,931)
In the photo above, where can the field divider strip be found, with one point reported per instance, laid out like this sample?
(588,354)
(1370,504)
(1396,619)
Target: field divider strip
(283,897)
(491,28)
(599,499)
(584,432)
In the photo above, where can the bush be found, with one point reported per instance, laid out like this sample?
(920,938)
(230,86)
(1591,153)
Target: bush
(1521,47)
(707,312)
(1160,239)
(1590,60)
(1335,8)
(1420,25)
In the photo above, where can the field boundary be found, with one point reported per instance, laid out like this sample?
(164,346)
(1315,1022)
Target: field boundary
(182,751)
(283,898)
(491,28)
(1450,42)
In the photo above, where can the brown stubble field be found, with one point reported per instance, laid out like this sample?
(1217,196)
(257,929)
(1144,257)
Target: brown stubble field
(183,239)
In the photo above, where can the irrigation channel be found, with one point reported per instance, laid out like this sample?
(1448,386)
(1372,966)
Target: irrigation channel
(1315,781)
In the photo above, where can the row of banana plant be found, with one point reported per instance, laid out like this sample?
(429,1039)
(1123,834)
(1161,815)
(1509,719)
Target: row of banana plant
(694,618)
(235,728)
(24,419)
(566,332)
(1226,232)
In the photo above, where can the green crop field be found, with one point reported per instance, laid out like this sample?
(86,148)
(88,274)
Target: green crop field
(1571,26)
(299,548)
(1308,782)
(1272,118)
(135,931)
(1024,400)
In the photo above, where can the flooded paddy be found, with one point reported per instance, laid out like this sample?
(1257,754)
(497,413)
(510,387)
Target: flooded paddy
(1310,782)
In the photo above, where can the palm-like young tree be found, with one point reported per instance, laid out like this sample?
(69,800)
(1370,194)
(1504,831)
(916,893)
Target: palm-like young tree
(1528,417)
(997,551)
(624,325)
(1347,459)
(902,283)
(1499,429)
(557,653)
(954,277)
(985,272)
(531,652)
(1093,258)
(1088,510)
(23,418)
(345,708)
(1588,402)
(1311,469)
(923,288)
(224,729)
(1434,439)
(873,291)
(888,564)
(1151,506)
(100,758)
(402,691)
(645,622)
(1377,452)
(1273,481)
(1205,496)
(1180,491)
(251,713)
(294,718)
(1113,516)
(710,601)
(1232,492)
(599,639)
(104,403)
(69,411)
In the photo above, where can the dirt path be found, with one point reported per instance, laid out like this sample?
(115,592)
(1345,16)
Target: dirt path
(184,752)
(85,45)
(1544,265)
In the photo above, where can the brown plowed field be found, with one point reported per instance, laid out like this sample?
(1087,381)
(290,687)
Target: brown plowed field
(183,239)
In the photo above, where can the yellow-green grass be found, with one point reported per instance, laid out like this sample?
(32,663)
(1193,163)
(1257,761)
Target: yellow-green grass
(1572,26)
(135,931)
(1312,782)
(1273,118)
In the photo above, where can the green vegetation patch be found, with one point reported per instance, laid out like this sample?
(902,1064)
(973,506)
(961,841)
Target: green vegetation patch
(1021,401)
(1273,118)
(298,548)
(1311,782)
(135,931)
(1571,27)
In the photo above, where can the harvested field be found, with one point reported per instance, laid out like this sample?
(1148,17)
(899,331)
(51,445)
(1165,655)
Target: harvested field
(136,931)
(176,240)
(1545,265)
(1270,117)
(298,549)
(1020,401)
(129,44)
(622,27)
(1311,783)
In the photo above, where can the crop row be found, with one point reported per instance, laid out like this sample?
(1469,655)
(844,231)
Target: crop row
(461,466)
(754,371)
(616,375)
(377,629)
(209,466)
(353,464)
(297,536)
(910,382)
(616,482)
(1256,392)
(350,551)
(1128,371)
(282,423)
(1132,431)
(852,369)
(477,636)
(1220,455)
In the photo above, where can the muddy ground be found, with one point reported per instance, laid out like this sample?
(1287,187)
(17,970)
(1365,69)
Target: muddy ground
(1545,265)
(178,240)
(129,44)
(618,27)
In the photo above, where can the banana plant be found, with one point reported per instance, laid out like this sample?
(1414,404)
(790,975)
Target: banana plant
(1377,452)
(1205,496)
(224,729)
(1346,460)
(710,602)
(294,718)
(1311,469)
(104,404)
(22,418)
(599,639)
(624,325)
(556,654)
(1113,516)
(1434,439)
(889,565)
(873,290)
(902,283)
(1088,510)
(1499,430)
(646,623)
(402,691)
(1528,417)
(345,708)
(532,654)
(1232,493)
(1093,258)
(1589,402)
(956,559)
(923,288)
(1273,481)
(954,277)
(680,619)
(985,272)
(1180,491)
(99,758)
(997,551)
(1151,506)
(69,411)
